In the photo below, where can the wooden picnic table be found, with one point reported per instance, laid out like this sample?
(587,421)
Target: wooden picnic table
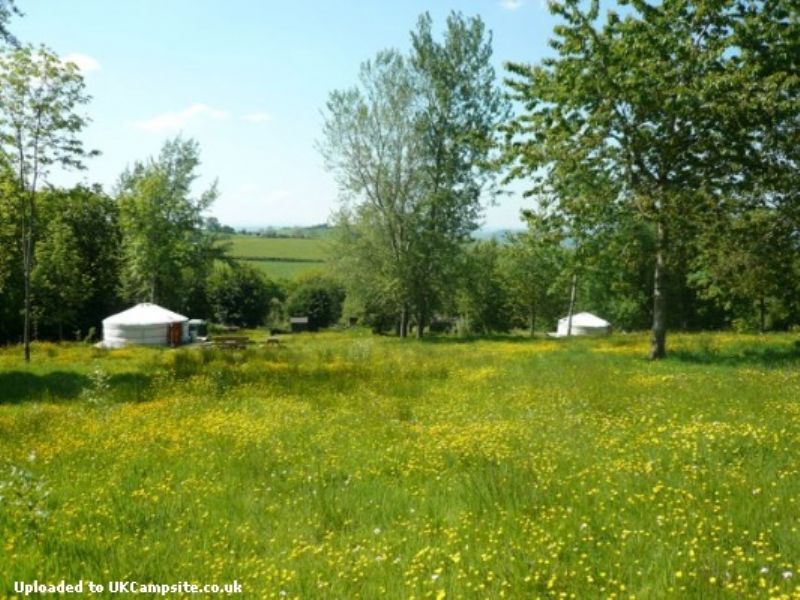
(231,341)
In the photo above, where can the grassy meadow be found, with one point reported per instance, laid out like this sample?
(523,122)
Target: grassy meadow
(342,465)
(279,258)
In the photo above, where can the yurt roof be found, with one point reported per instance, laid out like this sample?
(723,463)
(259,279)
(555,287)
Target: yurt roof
(144,314)
(585,319)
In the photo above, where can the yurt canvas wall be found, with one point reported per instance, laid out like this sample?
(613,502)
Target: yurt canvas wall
(145,324)
(584,324)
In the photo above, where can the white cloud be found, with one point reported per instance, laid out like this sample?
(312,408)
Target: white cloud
(179,119)
(84,62)
(511,4)
(258,117)
(248,188)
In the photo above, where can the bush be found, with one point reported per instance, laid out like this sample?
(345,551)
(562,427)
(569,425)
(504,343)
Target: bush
(240,295)
(319,298)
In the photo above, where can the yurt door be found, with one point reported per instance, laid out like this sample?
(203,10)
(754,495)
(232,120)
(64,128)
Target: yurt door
(174,334)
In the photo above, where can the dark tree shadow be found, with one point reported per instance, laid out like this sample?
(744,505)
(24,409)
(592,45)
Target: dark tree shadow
(21,386)
(770,356)
(131,387)
(456,339)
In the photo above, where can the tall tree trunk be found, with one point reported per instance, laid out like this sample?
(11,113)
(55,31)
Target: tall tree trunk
(572,303)
(404,322)
(532,319)
(420,323)
(27,251)
(26,332)
(762,309)
(29,227)
(658,341)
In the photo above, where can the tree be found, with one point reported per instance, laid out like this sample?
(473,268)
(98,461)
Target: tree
(745,264)
(166,252)
(60,286)
(80,210)
(410,149)
(39,127)
(534,264)
(482,297)
(239,295)
(213,224)
(9,249)
(319,298)
(371,144)
(614,267)
(461,107)
(767,37)
(639,116)
(373,270)
(8,8)
(11,297)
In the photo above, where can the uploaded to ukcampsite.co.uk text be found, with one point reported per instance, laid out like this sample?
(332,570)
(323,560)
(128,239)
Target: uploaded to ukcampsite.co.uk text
(125,587)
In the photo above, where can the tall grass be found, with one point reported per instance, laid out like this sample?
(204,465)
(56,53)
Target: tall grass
(342,465)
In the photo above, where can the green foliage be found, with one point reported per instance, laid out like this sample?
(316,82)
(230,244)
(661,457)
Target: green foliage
(39,126)
(9,223)
(8,8)
(76,275)
(655,115)
(371,145)
(60,285)
(98,390)
(166,253)
(536,267)
(239,295)
(319,298)
(747,264)
(483,300)
(91,210)
(39,122)
(213,225)
(410,148)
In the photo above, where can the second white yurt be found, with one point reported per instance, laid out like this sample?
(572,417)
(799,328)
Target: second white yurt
(146,324)
(583,324)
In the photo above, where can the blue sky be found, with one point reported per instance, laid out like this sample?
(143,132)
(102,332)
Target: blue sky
(248,80)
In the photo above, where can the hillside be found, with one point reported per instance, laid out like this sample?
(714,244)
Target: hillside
(279,258)
(300,251)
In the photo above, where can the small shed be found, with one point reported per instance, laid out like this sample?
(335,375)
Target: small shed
(583,323)
(145,324)
(299,324)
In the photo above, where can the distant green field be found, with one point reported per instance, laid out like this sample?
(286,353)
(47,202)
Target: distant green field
(275,269)
(280,258)
(251,246)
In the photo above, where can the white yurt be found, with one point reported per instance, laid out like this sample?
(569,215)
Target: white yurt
(584,323)
(146,324)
